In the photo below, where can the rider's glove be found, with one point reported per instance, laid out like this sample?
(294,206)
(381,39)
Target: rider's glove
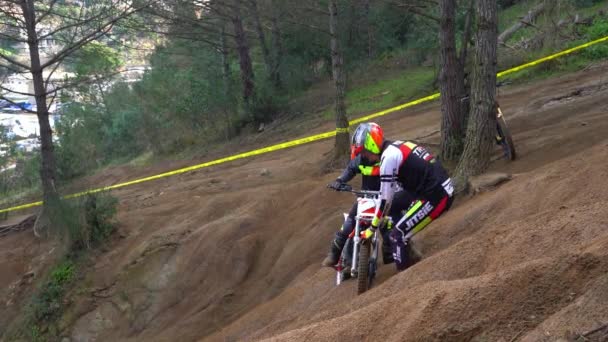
(336,185)
(368,233)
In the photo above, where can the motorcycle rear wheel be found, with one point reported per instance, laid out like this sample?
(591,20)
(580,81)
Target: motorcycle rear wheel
(506,141)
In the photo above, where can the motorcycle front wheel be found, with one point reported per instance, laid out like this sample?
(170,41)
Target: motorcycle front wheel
(363,267)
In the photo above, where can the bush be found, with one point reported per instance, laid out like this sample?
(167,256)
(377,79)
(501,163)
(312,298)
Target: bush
(86,221)
(46,306)
(267,103)
(25,176)
(598,30)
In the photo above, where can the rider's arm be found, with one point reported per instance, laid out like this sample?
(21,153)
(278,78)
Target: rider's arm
(389,172)
(350,171)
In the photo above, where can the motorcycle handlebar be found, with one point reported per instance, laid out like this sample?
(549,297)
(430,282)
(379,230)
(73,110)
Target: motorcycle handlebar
(363,193)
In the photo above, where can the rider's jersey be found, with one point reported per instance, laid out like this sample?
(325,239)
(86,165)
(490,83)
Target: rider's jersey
(415,169)
(370,175)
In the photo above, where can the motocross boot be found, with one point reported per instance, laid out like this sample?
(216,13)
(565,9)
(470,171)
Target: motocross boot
(387,247)
(334,252)
(413,254)
(387,252)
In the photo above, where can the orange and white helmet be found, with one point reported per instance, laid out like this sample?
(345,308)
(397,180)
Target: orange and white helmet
(368,136)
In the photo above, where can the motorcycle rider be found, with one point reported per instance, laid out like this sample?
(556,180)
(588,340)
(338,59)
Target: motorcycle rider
(370,180)
(412,167)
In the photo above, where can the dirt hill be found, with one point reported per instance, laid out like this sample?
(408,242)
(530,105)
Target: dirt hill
(232,252)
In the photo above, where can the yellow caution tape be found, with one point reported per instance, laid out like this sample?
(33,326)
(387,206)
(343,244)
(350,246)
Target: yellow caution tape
(191,168)
(554,56)
(342,130)
(21,207)
(305,140)
(394,109)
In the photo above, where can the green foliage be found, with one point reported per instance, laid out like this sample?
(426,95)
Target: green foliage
(91,136)
(268,103)
(96,59)
(390,91)
(598,29)
(6,52)
(79,130)
(570,63)
(47,304)
(395,28)
(585,3)
(509,15)
(22,180)
(86,221)
(7,147)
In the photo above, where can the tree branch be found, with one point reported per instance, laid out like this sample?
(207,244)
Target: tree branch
(80,81)
(13,15)
(15,92)
(16,104)
(101,31)
(12,38)
(45,13)
(14,62)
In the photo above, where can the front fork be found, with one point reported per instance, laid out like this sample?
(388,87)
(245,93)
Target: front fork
(356,244)
(355,257)
(375,248)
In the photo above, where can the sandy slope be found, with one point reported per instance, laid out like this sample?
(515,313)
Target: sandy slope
(227,253)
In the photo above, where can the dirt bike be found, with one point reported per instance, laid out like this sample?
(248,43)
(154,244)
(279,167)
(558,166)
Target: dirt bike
(503,134)
(359,258)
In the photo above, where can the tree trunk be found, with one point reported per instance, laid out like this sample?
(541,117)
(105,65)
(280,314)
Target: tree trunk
(48,169)
(261,36)
(353,24)
(529,18)
(342,146)
(466,36)
(367,22)
(226,81)
(464,49)
(481,126)
(451,85)
(225,62)
(276,48)
(244,60)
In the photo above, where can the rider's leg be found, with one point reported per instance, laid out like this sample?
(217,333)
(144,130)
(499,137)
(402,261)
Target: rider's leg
(401,202)
(417,217)
(340,239)
(387,248)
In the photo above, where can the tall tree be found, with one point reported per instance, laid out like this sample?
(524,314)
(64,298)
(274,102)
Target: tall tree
(276,46)
(341,146)
(369,31)
(244,55)
(466,35)
(259,30)
(451,85)
(74,26)
(481,124)
(226,78)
